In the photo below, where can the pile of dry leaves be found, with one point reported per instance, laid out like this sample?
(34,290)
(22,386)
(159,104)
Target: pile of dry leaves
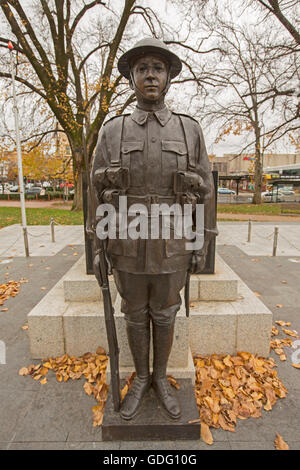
(9,289)
(279,343)
(231,387)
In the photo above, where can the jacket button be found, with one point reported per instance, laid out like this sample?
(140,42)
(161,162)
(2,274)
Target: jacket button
(153,139)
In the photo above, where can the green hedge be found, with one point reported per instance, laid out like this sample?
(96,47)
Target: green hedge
(32,197)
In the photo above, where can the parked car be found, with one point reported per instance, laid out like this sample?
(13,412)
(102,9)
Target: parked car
(14,188)
(268,196)
(35,190)
(226,191)
(286,191)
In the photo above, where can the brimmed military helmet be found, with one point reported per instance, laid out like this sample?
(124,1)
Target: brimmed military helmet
(148,46)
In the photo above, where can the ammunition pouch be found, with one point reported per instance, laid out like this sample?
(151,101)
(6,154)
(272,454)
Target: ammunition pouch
(111,178)
(188,182)
(118,177)
(189,188)
(111,196)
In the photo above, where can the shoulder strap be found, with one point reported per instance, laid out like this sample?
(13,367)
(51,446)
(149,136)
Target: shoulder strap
(189,139)
(113,139)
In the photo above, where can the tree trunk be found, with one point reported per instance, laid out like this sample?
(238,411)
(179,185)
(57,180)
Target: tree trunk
(257,169)
(77,165)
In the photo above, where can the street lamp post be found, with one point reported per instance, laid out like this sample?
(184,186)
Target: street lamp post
(19,155)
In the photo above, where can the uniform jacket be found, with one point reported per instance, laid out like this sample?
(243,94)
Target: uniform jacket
(154,146)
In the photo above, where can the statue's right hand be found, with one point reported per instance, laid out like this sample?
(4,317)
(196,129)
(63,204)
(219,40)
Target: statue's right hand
(89,230)
(97,272)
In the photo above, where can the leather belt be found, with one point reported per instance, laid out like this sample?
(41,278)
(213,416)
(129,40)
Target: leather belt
(150,199)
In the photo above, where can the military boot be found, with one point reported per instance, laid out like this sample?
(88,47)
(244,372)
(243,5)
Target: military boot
(139,343)
(162,345)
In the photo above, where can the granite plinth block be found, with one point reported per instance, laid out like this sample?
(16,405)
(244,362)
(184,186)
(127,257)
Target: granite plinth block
(81,287)
(45,322)
(254,323)
(228,327)
(212,328)
(152,421)
(220,286)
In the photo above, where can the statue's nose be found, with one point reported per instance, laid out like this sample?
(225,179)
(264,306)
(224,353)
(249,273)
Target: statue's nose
(150,73)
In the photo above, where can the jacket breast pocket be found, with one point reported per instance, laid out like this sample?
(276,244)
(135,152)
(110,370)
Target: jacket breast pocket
(174,158)
(132,158)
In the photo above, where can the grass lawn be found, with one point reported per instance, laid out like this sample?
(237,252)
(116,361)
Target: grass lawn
(12,215)
(264,209)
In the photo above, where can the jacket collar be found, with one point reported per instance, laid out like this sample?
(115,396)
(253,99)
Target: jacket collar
(140,116)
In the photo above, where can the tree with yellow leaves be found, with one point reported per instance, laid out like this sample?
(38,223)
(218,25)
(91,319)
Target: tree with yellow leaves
(54,50)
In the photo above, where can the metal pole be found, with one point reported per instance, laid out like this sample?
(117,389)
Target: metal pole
(19,155)
(249,230)
(52,230)
(275,241)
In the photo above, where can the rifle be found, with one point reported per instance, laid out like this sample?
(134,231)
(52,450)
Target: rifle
(101,273)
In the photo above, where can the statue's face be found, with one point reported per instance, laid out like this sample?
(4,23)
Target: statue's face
(150,76)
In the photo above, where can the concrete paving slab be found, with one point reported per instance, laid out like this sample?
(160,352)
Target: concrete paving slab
(51,418)
(39,239)
(262,235)
(15,406)
(256,445)
(36,446)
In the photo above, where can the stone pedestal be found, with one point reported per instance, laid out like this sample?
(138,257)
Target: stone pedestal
(152,422)
(225,317)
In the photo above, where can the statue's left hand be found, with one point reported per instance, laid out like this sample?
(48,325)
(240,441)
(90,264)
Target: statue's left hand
(199,260)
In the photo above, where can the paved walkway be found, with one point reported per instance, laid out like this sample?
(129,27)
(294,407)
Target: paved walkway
(59,416)
(261,238)
(39,239)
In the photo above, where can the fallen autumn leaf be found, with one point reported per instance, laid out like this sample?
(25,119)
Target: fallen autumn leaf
(280,444)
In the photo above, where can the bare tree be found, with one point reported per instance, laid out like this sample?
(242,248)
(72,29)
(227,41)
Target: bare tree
(281,9)
(247,99)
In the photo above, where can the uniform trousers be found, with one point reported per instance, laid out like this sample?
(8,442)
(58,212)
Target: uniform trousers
(155,296)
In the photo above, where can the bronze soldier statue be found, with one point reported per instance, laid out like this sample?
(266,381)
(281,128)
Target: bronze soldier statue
(152,156)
